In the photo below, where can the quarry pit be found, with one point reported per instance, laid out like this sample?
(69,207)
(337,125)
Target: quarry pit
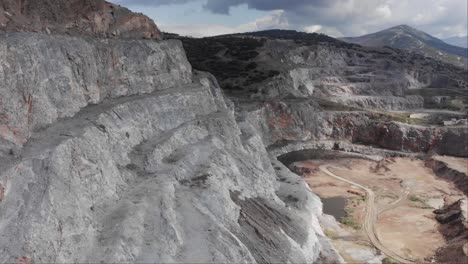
(406,192)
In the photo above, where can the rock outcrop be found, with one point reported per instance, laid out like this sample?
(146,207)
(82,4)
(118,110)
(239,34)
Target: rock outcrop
(76,17)
(309,87)
(403,137)
(456,174)
(48,78)
(455,230)
(113,150)
(296,120)
(276,64)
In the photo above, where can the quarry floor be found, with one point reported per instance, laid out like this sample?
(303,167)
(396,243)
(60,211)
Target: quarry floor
(406,193)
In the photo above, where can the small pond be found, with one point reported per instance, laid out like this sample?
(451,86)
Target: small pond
(334,206)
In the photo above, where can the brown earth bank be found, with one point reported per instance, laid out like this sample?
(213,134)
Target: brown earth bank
(452,217)
(406,194)
(454,227)
(403,137)
(76,17)
(451,168)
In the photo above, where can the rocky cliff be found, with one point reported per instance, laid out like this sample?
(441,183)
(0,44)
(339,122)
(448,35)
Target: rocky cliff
(455,229)
(46,78)
(114,150)
(76,17)
(309,87)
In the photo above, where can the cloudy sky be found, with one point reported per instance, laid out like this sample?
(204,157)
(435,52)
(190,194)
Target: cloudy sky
(337,18)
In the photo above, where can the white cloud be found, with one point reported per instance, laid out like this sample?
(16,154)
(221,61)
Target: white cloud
(359,17)
(274,19)
(384,11)
(419,18)
(312,28)
(331,31)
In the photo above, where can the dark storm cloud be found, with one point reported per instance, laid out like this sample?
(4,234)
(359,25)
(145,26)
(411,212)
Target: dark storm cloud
(150,2)
(222,6)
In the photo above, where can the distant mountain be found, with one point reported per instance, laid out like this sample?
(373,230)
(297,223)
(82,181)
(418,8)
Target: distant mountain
(411,39)
(458,41)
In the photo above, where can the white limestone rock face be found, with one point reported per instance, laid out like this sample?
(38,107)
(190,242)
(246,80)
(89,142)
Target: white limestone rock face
(46,78)
(329,72)
(302,83)
(127,157)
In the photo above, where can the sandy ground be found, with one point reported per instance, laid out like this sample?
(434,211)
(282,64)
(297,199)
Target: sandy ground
(407,227)
(410,232)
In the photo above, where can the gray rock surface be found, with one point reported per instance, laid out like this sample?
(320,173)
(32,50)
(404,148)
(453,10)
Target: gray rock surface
(96,18)
(279,64)
(411,39)
(295,86)
(46,78)
(121,154)
(113,150)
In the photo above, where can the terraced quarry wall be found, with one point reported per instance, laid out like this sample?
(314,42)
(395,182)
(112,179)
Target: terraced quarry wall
(308,87)
(113,150)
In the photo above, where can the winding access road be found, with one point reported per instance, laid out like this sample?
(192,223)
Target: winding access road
(371,216)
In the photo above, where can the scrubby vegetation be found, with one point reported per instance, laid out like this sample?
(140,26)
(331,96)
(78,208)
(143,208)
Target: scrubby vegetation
(330,234)
(230,58)
(387,260)
(404,118)
(328,105)
(452,99)
(350,221)
(414,198)
(398,117)
(301,37)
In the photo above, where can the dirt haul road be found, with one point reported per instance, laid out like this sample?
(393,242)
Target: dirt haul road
(371,216)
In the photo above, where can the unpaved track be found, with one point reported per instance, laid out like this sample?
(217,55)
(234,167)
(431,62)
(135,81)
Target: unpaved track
(371,216)
(396,203)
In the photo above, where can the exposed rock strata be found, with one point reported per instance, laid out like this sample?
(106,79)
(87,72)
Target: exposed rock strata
(49,78)
(444,170)
(114,151)
(83,17)
(279,64)
(455,229)
(397,136)
(452,217)
(296,120)
(307,87)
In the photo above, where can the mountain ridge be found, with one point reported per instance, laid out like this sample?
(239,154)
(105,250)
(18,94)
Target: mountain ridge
(457,41)
(414,40)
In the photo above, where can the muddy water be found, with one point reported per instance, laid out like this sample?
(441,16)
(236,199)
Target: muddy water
(334,206)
